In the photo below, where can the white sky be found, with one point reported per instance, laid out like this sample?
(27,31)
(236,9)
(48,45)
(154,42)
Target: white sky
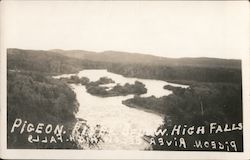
(170,29)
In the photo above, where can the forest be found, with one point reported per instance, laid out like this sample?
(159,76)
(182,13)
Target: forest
(214,93)
(184,71)
(36,98)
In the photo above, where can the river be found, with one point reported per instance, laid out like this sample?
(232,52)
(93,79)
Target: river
(126,126)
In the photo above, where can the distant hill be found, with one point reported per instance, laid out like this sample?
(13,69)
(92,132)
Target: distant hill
(135,58)
(183,70)
(41,61)
(125,57)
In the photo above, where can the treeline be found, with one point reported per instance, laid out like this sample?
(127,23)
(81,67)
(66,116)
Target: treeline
(48,62)
(138,58)
(214,96)
(176,70)
(200,104)
(180,74)
(36,98)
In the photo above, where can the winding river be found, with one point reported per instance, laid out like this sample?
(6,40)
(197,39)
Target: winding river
(126,126)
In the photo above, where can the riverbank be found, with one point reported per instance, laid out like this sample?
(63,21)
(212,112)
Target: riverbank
(132,105)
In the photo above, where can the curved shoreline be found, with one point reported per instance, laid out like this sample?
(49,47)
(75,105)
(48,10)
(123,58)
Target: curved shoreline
(143,109)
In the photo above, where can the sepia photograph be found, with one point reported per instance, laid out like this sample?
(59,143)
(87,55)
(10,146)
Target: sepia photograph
(151,78)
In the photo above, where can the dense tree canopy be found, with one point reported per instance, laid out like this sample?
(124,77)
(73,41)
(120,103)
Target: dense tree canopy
(37,98)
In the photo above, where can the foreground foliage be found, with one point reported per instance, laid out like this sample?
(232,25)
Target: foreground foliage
(36,98)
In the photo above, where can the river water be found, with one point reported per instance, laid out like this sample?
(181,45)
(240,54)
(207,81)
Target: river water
(126,126)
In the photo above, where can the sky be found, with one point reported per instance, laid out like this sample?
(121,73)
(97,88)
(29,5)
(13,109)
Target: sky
(171,29)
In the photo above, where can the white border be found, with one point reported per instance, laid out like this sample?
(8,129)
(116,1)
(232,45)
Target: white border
(86,154)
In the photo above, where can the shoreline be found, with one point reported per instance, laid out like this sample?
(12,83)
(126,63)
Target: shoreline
(143,109)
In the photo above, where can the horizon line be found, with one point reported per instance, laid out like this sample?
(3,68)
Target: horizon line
(127,52)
